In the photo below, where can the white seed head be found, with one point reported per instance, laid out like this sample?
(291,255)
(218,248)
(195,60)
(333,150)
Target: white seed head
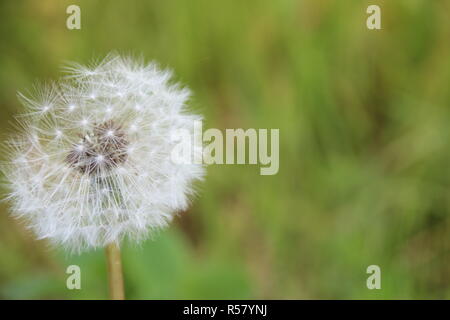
(93,162)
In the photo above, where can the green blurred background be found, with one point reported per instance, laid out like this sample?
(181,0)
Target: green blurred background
(364,125)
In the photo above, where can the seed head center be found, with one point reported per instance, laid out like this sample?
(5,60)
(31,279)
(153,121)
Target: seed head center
(103,148)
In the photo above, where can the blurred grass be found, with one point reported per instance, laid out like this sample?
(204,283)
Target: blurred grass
(364,146)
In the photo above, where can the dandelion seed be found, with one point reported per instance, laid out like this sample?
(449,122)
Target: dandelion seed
(79,148)
(133,127)
(58,133)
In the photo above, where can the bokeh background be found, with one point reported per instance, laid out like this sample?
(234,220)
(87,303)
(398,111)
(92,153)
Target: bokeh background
(364,125)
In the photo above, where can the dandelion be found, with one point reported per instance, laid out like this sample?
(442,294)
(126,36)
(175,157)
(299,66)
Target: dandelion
(93,165)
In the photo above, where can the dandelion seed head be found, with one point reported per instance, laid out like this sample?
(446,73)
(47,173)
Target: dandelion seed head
(103,171)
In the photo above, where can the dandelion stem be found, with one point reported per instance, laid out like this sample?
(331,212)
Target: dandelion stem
(116,291)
